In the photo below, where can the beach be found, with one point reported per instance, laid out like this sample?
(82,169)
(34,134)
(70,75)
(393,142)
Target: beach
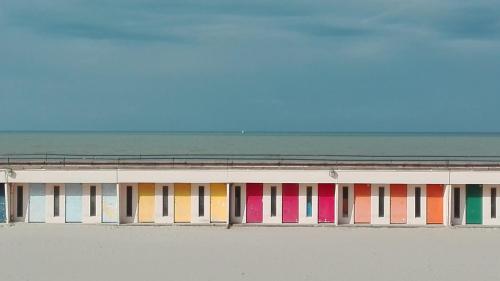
(106,252)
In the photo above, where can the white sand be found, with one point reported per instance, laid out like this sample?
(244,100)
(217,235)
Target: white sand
(143,253)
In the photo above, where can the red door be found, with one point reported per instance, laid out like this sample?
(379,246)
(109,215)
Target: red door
(254,202)
(398,203)
(326,202)
(290,194)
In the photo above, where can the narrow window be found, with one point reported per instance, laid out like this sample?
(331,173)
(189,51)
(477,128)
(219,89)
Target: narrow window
(165,201)
(57,193)
(381,192)
(273,201)
(345,201)
(493,203)
(418,195)
(309,201)
(456,202)
(129,201)
(237,203)
(92,200)
(19,201)
(201,201)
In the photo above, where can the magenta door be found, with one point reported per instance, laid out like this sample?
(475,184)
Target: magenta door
(254,202)
(326,202)
(290,195)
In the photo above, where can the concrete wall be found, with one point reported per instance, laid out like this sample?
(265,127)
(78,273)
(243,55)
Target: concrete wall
(303,218)
(123,204)
(159,217)
(460,218)
(266,204)
(195,217)
(349,219)
(487,218)
(242,218)
(412,219)
(86,218)
(49,203)
(376,219)
(25,214)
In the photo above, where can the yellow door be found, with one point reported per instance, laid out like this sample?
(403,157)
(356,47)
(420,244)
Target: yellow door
(218,204)
(182,202)
(146,202)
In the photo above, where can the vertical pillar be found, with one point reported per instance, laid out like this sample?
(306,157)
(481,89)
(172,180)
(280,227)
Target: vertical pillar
(7,196)
(118,199)
(228,205)
(447,205)
(336,219)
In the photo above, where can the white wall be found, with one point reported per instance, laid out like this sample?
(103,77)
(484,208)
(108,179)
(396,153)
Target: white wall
(410,203)
(123,203)
(242,217)
(195,218)
(350,214)
(386,219)
(303,204)
(86,218)
(266,204)
(461,219)
(49,203)
(24,217)
(487,219)
(159,218)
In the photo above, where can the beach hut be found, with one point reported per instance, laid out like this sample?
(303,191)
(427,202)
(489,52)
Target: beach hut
(362,203)
(36,202)
(398,203)
(200,203)
(326,202)
(237,203)
(73,197)
(109,208)
(182,202)
(273,205)
(308,203)
(218,203)
(380,204)
(435,204)
(346,204)
(146,194)
(164,203)
(417,204)
(254,211)
(3,210)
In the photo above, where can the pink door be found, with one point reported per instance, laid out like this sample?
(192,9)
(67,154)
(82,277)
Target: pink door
(290,196)
(254,202)
(326,202)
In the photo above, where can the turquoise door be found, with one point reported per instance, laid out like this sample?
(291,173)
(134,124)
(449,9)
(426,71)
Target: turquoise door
(73,196)
(109,206)
(37,202)
(474,204)
(2,203)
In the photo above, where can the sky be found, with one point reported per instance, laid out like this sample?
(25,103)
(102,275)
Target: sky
(231,65)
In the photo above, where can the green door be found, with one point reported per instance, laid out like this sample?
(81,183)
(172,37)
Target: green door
(474,204)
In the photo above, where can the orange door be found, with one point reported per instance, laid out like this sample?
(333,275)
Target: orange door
(398,203)
(362,203)
(435,203)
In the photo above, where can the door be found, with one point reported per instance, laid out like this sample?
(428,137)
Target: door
(218,202)
(290,203)
(37,202)
(146,202)
(254,202)
(473,204)
(109,206)
(182,202)
(398,203)
(73,196)
(326,203)
(435,193)
(362,203)
(3,214)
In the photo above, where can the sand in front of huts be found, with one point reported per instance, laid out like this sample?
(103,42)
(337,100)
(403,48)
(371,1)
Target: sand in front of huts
(142,253)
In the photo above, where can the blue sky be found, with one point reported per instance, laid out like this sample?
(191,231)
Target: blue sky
(250,65)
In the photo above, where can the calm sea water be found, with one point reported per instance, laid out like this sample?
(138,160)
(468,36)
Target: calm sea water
(129,143)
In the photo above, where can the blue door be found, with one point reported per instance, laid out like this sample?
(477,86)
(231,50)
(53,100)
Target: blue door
(73,196)
(109,206)
(2,203)
(37,202)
